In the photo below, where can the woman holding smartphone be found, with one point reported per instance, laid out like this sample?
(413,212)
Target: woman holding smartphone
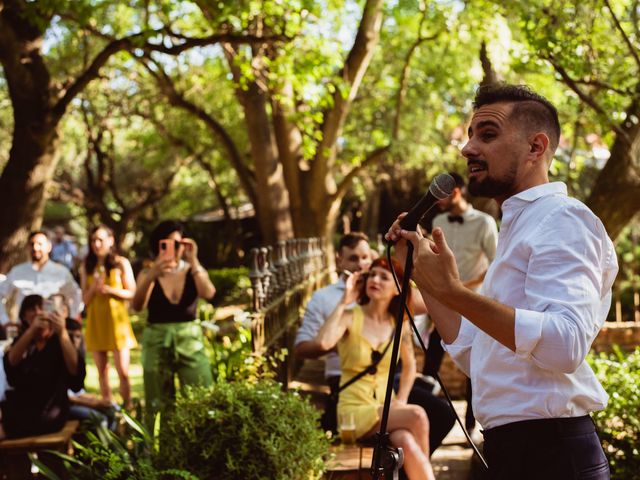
(107,286)
(41,364)
(173,342)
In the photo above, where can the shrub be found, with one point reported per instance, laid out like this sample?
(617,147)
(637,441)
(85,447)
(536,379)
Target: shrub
(232,285)
(619,423)
(111,457)
(241,430)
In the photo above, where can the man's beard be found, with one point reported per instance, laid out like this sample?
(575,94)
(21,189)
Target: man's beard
(36,256)
(492,187)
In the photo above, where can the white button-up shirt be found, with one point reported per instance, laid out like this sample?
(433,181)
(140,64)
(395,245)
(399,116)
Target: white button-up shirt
(52,278)
(321,305)
(555,265)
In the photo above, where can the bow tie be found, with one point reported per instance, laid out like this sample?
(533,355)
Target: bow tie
(455,218)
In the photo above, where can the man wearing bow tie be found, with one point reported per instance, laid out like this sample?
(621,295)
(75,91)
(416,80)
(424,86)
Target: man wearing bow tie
(472,236)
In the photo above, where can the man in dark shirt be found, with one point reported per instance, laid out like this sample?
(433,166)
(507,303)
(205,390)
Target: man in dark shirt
(41,365)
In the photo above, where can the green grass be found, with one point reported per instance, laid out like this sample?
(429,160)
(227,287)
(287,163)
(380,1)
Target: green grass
(135,376)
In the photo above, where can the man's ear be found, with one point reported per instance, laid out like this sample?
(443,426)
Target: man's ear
(538,145)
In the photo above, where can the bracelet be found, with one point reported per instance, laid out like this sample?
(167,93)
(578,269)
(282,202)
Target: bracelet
(199,269)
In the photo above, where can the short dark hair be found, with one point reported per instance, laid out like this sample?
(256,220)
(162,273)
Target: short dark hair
(350,240)
(163,230)
(39,232)
(72,324)
(29,302)
(458,179)
(535,111)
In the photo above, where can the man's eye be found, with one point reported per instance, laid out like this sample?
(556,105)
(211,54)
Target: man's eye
(488,135)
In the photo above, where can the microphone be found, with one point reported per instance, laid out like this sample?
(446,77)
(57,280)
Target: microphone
(441,187)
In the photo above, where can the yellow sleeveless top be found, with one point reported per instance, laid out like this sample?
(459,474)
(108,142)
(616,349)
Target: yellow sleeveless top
(108,325)
(365,396)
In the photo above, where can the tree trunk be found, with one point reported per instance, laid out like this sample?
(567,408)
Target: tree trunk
(32,157)
(273,212)
(23,182)
(615,197)
(272,208)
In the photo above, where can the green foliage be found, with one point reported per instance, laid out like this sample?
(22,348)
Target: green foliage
(248,431)
(232,285)
(619,423)
(110,457)
(231,358)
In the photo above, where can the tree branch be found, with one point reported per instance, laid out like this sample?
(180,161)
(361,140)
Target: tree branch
(625,37)
(140,41)
(406,70)
(176,98)
(372,158)
(585,97)
(199,158)
(355,66)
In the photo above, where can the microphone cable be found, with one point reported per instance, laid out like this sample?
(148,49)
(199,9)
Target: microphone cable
(424,350)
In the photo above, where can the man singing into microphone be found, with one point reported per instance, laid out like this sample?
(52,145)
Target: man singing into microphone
(524,338)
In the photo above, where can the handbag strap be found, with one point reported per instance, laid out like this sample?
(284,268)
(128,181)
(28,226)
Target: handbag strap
(369,369)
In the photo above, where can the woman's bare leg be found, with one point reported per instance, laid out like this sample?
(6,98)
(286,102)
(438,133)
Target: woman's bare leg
(416,463)
(121,360)
(101,359)
(412,418)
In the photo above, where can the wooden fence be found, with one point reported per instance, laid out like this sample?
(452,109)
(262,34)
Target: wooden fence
(283,277)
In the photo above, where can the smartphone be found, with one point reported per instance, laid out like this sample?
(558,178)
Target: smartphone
(49,306)
(167,249)
(52,304)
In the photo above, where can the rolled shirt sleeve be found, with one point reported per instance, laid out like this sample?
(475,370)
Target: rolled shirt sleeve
(567,290)
(460,348)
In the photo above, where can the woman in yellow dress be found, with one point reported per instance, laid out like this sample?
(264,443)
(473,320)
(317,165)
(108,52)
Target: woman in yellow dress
(361,333)
(107,286)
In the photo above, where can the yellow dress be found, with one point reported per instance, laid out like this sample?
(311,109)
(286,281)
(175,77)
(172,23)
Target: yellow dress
(108,324)
(365,396)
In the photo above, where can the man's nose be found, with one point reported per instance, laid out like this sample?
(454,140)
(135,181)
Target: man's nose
(469,149)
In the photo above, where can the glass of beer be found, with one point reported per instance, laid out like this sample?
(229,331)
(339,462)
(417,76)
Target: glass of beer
(347,428)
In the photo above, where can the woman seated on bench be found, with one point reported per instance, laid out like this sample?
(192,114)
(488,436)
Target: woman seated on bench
(361,334)
(41,364)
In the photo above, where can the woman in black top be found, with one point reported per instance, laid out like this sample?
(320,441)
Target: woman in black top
(172,342)
(41,365)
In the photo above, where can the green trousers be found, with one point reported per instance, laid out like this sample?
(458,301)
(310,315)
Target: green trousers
(169,349)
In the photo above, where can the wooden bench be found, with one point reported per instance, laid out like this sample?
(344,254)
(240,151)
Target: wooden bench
(14,459)
(349,462)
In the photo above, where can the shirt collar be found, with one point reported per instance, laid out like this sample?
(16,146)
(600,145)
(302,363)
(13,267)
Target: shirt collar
(517,202)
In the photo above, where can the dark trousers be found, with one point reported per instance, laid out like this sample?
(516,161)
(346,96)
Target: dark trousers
(549,449)
(432,362)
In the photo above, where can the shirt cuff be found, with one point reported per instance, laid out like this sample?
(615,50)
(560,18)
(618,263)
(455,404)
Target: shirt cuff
(463,340)
(528,331)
